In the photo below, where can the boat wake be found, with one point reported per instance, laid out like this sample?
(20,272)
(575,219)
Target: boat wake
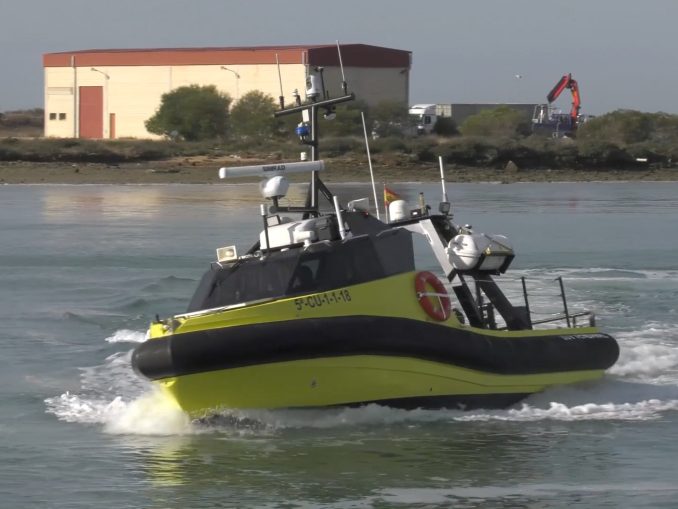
(643,385)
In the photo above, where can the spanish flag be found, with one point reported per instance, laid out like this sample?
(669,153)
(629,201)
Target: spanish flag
(390,196)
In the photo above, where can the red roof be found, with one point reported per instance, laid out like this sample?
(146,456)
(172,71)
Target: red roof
(353,55)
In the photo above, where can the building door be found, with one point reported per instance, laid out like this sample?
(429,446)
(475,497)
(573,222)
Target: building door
(111,123)
(91,112)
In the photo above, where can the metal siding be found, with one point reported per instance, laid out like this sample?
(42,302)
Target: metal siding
(91,115)
(357,55)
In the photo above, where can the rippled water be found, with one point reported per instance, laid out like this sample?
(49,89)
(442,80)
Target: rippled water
(85,268)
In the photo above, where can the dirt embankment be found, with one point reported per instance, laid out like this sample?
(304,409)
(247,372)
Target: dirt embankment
(201,170)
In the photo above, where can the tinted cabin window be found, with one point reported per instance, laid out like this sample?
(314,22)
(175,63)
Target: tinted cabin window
(395,250)
(244,281)
(325,267)
(321,267)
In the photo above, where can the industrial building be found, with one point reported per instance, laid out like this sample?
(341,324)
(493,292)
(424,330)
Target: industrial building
(111,93)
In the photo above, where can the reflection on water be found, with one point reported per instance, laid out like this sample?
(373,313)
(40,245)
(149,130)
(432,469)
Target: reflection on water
(402,464)
(60,203)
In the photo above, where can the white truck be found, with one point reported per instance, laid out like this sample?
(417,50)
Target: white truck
(426,117)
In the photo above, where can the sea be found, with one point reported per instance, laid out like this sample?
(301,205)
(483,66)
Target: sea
(85,268)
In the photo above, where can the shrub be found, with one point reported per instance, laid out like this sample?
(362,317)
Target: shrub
(390,144)
(469,151)
(602,154)
(348,121)
(626,128)
(390,118)
(23,118)
(502,121)
(253,116)
(193,112)
(333,147)
(425,149)
(445,126)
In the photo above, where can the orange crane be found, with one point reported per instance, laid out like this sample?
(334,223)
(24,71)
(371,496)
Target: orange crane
(567,82)
(548,120)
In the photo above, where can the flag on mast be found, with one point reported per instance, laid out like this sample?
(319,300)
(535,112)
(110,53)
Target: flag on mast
(390,196)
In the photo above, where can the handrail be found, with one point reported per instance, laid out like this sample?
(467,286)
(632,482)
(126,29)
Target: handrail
(564,316)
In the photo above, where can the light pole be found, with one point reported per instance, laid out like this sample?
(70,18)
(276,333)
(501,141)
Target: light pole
(106,119)
(237,79)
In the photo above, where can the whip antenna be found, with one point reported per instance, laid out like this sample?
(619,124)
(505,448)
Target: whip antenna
(369,160)
(442,177)
(344,86)
(445,205)
(281,97)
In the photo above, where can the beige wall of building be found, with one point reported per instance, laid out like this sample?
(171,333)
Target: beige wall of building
(134,93)
(131,94)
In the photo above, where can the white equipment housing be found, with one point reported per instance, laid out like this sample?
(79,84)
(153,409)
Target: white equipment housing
(397,210)
(293,232)
(227,254)
(479,251)
(313,88)
(275,187)
(359,205)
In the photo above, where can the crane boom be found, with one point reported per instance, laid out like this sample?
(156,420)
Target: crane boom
(567,82)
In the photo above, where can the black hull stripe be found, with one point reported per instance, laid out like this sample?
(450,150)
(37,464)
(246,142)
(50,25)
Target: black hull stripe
(452,402)
(264,343)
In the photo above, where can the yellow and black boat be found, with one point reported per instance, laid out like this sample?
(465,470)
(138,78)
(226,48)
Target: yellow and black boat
(330,310)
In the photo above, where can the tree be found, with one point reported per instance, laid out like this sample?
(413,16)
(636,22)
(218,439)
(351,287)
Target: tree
(500,121)
(621,127)
(390,118)
(348,121)
(445,126)
(252,116)
(193,112)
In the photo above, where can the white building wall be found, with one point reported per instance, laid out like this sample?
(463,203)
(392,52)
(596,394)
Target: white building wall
(133,93)
(59,102)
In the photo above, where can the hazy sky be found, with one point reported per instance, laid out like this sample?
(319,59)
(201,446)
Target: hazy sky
(623,53)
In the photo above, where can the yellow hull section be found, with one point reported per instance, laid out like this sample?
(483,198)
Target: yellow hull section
(347,380)
(394,296)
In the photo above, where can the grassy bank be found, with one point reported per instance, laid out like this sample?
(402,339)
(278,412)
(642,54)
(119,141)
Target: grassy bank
(394,159)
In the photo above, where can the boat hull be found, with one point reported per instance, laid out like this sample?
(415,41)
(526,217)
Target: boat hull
(357,380)
(354,360)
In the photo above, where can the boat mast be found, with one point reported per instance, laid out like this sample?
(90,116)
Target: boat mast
(312,140)
(308,134)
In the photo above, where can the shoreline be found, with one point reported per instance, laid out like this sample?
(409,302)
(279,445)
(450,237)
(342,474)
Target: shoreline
(203,170)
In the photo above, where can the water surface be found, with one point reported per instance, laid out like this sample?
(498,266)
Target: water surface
(85,268)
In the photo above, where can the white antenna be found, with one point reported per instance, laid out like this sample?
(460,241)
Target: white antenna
(369,160)
(344,86)
(281,97)
(442,178)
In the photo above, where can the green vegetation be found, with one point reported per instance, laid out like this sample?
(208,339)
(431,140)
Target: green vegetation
(22,122)
(389,118)
(445,126)
(503,121)
(131,150)
(252,116)
(619,140)
(191,113)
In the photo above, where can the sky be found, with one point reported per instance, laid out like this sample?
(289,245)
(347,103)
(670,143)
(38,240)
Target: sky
(622,53)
